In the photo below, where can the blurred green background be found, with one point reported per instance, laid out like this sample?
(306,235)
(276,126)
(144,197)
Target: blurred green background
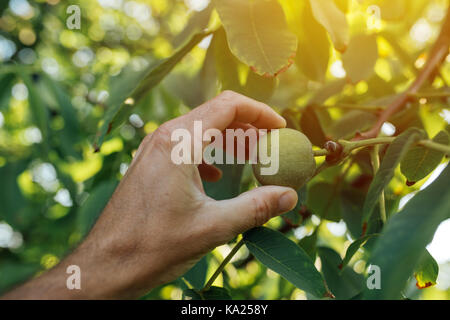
(54,83)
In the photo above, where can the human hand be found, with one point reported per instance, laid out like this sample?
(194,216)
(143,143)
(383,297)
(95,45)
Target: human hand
(160,222)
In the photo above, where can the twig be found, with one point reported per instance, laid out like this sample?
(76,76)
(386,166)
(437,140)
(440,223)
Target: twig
(346,170)
(444,93)
(321,168)
(320,152)
(349,106)
(436,56)
(222,265)
(349,146)
(375,158)
(435,146)
(187,283)
(352,145)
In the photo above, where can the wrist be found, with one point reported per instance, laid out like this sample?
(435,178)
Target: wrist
(81,275)
(103,274)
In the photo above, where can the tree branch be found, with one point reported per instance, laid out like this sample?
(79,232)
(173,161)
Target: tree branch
(437,55)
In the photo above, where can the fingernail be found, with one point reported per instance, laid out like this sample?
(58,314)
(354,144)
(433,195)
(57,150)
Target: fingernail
(283,120)
(287,201)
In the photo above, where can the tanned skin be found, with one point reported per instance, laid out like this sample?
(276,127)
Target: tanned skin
(159,222)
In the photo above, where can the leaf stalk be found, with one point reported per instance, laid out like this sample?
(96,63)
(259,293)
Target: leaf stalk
(222,265)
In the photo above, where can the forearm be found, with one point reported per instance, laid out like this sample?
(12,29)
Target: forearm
(98,279)
(49,286)
(110,267)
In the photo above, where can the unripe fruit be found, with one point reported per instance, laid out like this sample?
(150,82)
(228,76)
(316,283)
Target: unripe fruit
(296,164)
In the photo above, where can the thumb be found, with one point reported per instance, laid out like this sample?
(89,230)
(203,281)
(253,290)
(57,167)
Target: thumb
(255,207)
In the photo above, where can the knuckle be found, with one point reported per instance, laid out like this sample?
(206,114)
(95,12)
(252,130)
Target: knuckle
(228,94)
(229,97)
(144,146)
(262,209)
(146,140)
(161,138)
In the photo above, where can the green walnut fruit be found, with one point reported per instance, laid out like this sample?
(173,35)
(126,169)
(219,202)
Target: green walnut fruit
(294,159)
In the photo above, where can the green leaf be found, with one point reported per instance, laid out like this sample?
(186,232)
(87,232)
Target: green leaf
(427,271)
(155,74)
(283,256)
(196,276)
(344,284)
(258,87)
(327,91)
(402,243)
(226,62)
(292,118)
(385,173)
(328,15)
(11,197)
(258,34)
(70,135)
(309,244)
(324,201)
(342,5)
(136,84)
(380,87)
(295,215)
(393,10)
(6,83)
(351,123)
(228,186)
(68,111)
(195,89)
(214,293)
(293,10)
(111,163)
(197,22)
(362,159)
(352,201)
(313,52)
(407,118)
(208,72)
(38,109)
(312,124)
(13,273)
(67,181)
(420,161)
(360,58)
(354,247)
(94,205)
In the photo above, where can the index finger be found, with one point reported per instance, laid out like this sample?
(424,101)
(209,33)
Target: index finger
(229,107)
